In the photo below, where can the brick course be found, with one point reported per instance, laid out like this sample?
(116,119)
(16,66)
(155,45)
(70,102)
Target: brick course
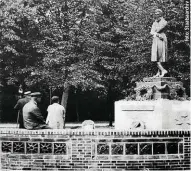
(82,152)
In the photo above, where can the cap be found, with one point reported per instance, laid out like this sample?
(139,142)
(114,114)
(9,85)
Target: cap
(36,94)
(54,98)
(27,92)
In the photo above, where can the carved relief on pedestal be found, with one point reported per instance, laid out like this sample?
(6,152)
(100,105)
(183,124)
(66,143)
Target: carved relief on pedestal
(177,91)
(156,88)
(144,92)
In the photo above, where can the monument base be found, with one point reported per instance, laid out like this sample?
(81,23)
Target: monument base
(153,114)
(159,88)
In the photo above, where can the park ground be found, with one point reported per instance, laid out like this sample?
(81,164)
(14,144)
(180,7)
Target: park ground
(69,125)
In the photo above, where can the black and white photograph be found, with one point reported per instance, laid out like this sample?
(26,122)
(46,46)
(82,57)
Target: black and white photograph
(95,85)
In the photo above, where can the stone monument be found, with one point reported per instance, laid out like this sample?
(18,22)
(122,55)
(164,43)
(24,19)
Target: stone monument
(160,101)
(160,104)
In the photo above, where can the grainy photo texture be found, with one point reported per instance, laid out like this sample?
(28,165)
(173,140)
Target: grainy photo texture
(95,85)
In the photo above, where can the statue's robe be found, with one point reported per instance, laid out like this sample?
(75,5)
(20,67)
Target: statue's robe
(159,45)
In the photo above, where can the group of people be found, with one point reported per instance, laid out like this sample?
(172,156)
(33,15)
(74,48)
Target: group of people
(30,116)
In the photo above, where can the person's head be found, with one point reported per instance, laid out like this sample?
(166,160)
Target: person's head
(158,13)
(36,96)
(55,99)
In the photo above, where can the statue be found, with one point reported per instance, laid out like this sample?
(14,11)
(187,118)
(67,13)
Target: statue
(159,45)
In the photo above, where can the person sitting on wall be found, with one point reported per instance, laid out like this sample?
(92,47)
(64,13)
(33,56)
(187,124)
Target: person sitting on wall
(56,114)
(19,106)
(32,116)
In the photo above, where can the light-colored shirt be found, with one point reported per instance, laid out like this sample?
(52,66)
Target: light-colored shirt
(56,116)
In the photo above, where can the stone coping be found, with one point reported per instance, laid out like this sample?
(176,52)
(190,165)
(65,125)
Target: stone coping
(93,132)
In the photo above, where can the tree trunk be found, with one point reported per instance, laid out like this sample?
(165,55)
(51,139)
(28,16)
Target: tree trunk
(65,99)
(77,112)
(110,103)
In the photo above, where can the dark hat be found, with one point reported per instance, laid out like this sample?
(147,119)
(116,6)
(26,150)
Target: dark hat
(27,93)
(36,94)
(55,98)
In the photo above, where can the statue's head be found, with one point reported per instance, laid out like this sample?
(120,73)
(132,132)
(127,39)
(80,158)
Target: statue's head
(158,13)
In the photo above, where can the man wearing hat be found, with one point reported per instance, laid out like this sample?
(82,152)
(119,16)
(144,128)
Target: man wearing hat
(56,114)
(32,116)
(19,106)
(159,45)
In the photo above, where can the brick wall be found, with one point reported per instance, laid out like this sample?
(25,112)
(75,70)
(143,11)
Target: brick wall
(94,150)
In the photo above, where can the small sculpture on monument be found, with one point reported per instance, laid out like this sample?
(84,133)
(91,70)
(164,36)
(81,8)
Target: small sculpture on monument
(88,125)
(137,124)
(159,45)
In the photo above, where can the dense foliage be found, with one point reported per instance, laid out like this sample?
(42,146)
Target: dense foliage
(98,45)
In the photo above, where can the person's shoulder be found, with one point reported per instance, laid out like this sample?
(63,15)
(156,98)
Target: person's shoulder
(21,100)
(26,106)
(29,105)
(49,107)
(62,107)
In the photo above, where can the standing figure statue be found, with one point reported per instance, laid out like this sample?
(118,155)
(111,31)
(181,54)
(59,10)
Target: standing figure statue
(159,45)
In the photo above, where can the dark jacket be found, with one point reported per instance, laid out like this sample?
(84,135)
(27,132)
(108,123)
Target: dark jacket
(20,103)
(32,116)
(19,106)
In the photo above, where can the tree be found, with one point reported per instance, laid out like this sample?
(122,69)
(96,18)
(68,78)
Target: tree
(64,28)
(92,45)
(18,33)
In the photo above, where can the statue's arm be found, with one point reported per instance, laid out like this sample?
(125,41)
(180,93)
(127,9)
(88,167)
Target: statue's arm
(153,30)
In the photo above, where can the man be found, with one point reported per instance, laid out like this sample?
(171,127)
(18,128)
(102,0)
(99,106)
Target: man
(159,45)
(19,106)
(32,116)
(56,114)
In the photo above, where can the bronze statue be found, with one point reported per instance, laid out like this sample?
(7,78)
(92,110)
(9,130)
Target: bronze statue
(159,45)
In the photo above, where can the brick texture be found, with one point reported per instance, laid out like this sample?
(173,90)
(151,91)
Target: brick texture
(77,150)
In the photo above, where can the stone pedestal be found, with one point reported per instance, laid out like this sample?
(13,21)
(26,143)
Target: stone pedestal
(152,114)
(138,114)
(159,88)
(156,106)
